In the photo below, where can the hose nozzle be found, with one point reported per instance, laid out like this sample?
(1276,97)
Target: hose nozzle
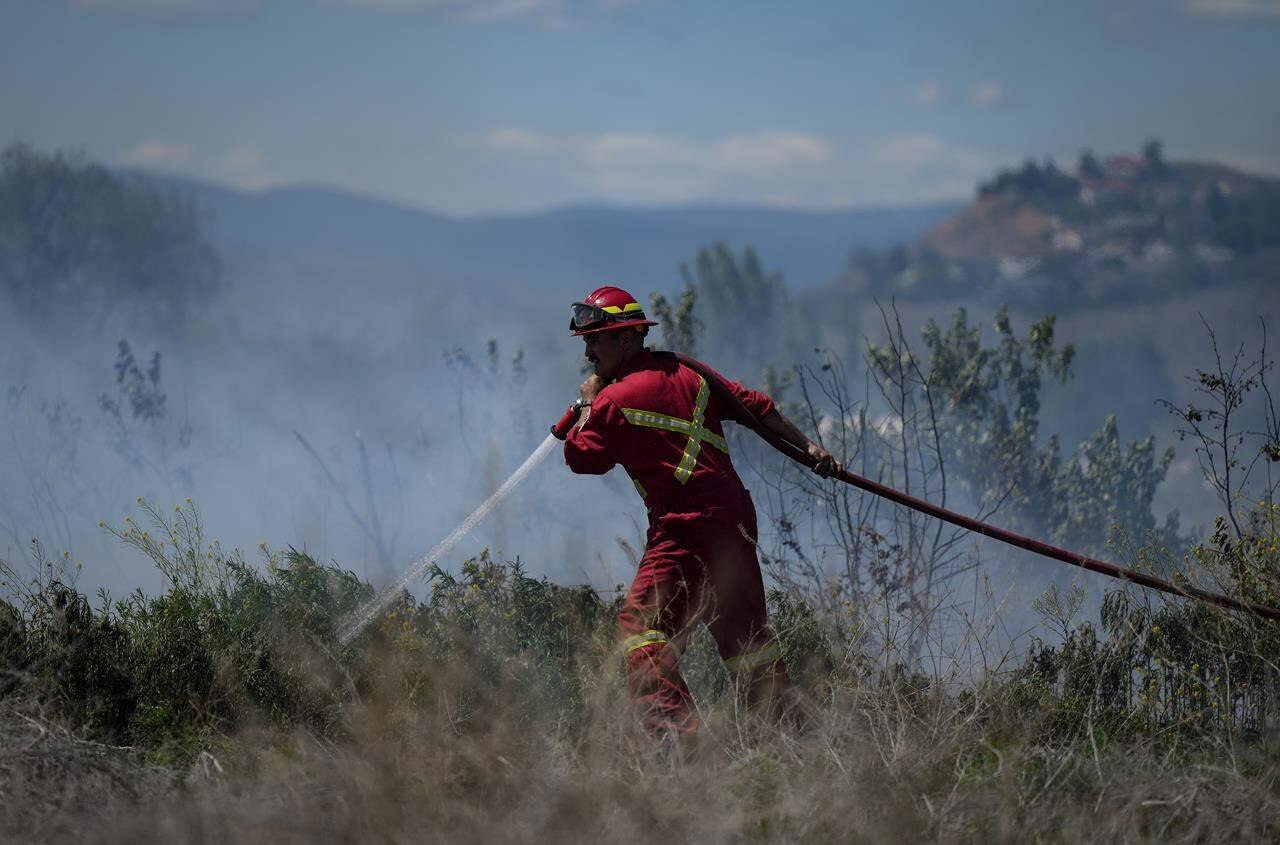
(561,429)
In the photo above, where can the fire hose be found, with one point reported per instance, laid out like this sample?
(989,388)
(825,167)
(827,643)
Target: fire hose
(800,455)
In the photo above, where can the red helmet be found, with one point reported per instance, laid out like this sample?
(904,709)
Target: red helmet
(605,309)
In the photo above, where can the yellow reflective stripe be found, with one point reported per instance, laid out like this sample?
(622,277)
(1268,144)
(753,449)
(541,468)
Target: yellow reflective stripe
(715,440)
(754,659)
(639,488)
(694,446)
(641,640)
(622,309)
(698,433)
(652,420)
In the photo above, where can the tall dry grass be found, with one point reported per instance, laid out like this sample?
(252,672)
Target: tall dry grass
(495,710)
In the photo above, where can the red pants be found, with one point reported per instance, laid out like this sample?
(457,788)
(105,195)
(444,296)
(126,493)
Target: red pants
(699,567)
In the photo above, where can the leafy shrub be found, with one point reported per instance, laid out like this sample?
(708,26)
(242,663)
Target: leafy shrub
(1161,666)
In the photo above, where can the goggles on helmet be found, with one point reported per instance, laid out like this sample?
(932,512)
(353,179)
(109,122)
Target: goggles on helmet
(588,316)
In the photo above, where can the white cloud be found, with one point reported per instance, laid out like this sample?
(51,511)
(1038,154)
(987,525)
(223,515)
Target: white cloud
(771,150)
(243,158)
(1262,164)
(407,5)
(471,10)
(741,152)
(930,95)
(558,14)
(170,5)
(954,170)
(500,10)
(162,154)
(987,94)
(926,95)
(1232,8)
(621,150)
(909,152)
(773,167)
(245,166)
(242,165)
(519,167)
(520,140)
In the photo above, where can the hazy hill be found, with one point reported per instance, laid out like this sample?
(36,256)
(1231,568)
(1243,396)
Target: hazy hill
(1129,209)
(1132,253)
(1123,229)
(561,252)
(334,314)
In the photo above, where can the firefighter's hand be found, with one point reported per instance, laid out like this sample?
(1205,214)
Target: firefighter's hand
(593,385)
(826,465)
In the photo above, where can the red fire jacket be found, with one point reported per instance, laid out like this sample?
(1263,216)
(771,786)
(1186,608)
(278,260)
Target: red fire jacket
(660,420)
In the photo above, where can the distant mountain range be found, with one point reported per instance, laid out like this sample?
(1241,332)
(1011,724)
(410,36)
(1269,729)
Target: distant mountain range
(560,252)
(1132,253)
(1111,228)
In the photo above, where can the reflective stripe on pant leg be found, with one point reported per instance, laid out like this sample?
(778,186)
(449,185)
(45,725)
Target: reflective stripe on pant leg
(650,637)
(651,619)
(754,659)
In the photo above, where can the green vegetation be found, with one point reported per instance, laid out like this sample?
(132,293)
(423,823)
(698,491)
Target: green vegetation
(743,312)
(76,238)
(989,426)
(680,325)
(495,707)
(497,702)
(497,682)
(231,643)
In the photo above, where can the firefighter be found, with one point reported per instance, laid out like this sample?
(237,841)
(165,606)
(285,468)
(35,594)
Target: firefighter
(660,420)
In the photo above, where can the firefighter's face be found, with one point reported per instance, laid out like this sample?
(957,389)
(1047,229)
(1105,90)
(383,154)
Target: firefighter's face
(607,351)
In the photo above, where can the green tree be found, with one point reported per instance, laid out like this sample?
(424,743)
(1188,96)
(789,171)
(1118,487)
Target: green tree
(1244,221)
(1088,167)
(680,325)
(745,312)
(76,235)
(1107,484)
(989,426)
(1153,159)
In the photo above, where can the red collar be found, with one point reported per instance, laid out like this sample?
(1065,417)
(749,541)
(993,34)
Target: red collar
(643,361)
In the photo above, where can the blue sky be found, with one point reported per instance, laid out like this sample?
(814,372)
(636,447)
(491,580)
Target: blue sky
(477,106)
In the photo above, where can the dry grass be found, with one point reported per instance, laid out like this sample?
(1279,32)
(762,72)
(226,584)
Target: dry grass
(877,765)
(58,786)
(495,710)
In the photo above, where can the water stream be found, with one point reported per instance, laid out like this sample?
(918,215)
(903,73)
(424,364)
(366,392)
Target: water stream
(361,619)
